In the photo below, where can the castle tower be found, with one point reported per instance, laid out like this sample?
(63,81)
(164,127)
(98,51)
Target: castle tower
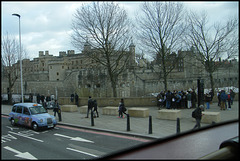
(41,53)
(87,46)
(132,52)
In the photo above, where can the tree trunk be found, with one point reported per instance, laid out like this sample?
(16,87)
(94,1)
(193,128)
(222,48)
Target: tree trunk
(211,81)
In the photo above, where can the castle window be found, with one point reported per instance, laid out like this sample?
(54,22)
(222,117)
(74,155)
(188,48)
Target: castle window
(57,73)
(50,67)
(62,67)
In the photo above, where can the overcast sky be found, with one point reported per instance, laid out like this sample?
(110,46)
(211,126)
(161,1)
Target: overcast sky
(47,25)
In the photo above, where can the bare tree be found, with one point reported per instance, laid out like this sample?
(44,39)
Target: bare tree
(105,28)
(160,30)
(9,57)
(212,41)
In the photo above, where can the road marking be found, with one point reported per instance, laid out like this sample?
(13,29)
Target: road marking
(11,128)
(7,137)
(19,134)
(19,154)
(82,152)
(106,134)
(75,138)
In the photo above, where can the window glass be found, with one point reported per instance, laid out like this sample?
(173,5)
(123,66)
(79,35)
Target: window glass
(14,108)
(25,111)
(19,109)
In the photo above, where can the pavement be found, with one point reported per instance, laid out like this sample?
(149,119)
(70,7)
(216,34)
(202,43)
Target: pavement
(138,126)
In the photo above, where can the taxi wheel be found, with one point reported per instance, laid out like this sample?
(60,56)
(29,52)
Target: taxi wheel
(35,126)
(13,122)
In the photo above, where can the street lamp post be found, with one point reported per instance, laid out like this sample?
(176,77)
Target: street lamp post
(20,53)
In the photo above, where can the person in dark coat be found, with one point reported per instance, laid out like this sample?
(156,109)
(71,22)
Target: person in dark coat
(168,99)
(38,98)
(90,105)
(95,108)
(76,98)
(197,114)
(208,99)
(194,98)
(121,109)
(57,109)
(72,97)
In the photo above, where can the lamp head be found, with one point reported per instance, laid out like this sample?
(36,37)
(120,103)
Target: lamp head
(15,14)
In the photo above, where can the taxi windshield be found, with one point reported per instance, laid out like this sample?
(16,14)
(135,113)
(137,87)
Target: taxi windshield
(37,110)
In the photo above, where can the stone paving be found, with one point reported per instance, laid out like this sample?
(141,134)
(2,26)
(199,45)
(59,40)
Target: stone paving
(139,126)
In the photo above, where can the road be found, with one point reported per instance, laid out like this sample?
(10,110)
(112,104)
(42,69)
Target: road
(61,142)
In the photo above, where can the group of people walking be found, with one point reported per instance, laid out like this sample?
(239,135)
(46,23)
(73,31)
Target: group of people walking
(93,108)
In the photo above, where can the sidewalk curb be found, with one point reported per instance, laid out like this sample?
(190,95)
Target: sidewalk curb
(110,131)
(105,130)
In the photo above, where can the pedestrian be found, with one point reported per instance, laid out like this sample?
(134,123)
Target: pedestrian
(72,97)
(194,98)
(178,100)
(211,94)
(160,100)
(76,98)
(48,100)
(208,99)
(219,99)
(223,98)
(183,99)
(229,101)
(168,99)
(121,109)
(38,98)
(90,105)
(173,103)
(189,100)
(95,108)
(232,94)
(42,98)
(57,109)
(197,114)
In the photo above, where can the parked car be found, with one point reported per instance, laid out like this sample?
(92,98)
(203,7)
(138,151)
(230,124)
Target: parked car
(32,115)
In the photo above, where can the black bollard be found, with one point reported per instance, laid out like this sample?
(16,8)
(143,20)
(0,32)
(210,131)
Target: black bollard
(178,125)
(128,123)
(150,125)
(92,119)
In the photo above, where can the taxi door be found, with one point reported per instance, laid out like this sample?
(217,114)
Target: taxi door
(18,115)
(26,117)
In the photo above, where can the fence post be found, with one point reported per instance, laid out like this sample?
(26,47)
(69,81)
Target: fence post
(150,125)
(128,123)
(92,119)
(178,125)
